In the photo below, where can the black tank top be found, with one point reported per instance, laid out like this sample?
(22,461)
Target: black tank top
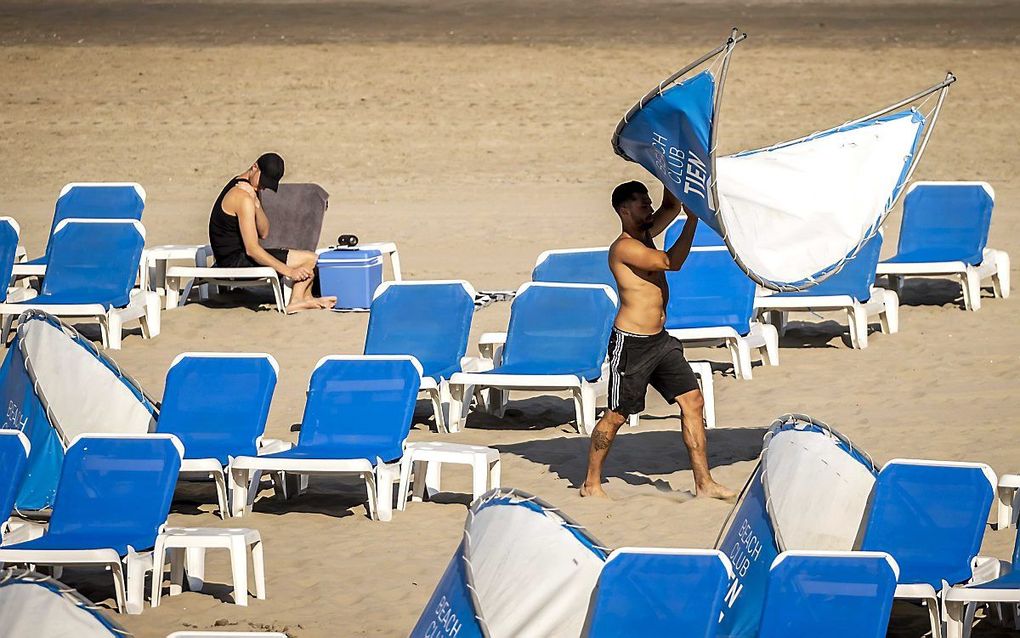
(224,229)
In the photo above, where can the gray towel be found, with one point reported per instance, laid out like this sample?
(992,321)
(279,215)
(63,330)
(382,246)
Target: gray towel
(295,215)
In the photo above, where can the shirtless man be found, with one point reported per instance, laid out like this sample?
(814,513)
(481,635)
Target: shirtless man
(238,222)
(640,350)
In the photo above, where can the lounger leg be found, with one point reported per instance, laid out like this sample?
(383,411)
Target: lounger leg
(857,319)
(221,493)
(933,616)
(588,408)
(955,614)
(173,294)
(405,482)
(115,329)
(136,568)
(433,479)
(281,303)
(890,316)
(384,490)
(435,395)
(117,572)
(495,474)
(770,351)
(634,420)
(176,570)
(239,498)
(1000,280)
(395,264)
(8,322)
(972,284)
(420,470)
(150,321)
(455,418)
(239,569)
(741,353)
(158,563)
(896,284)
(1005,509)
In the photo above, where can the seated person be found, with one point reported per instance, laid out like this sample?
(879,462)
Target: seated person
(238,222)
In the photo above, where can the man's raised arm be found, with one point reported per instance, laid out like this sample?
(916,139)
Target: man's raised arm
(634,253)
(667,212)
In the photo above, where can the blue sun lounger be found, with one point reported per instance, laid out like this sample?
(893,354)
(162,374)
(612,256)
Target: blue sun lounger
(556,340)
(430,321)
(930,516)
(14,449)
(832,594)
(1002,585)
(112,501)
(944,232)
(88,200)
(659,592)
(93,267)
(851,289)
(356,420)
(217,404)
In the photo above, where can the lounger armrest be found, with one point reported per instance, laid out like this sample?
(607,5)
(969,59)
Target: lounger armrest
(987,568)
(490,346)
(476,364)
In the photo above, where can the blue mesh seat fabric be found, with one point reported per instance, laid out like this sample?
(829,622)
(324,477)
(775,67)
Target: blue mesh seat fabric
(944,222)
(217,405)
(659,593)
(429,321)
(839,596)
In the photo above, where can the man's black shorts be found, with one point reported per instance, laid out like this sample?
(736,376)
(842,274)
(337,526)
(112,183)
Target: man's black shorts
(635,361)
(242,260)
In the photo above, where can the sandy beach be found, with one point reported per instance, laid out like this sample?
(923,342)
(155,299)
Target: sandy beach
(475,135)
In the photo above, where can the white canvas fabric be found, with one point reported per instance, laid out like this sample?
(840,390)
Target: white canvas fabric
(82,394)
(531,576)
(797,210)
(817,493)
(31,610)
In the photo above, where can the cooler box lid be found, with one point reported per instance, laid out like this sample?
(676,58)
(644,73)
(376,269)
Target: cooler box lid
(350,256)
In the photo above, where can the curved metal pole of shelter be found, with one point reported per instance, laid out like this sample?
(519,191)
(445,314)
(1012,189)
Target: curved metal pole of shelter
(942,88)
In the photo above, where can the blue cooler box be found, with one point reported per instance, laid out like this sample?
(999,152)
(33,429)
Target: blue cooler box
(351,275)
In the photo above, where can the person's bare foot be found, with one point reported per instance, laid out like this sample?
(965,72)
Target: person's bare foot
(298,306)
(593,490)
(715,490)
(326,302)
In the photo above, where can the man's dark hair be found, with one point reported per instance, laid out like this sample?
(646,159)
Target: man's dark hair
(625,191)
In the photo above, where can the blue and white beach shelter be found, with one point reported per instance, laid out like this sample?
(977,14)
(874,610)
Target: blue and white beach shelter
(792,213)
(32,604)
(809,492)
(522,569)
(55,385)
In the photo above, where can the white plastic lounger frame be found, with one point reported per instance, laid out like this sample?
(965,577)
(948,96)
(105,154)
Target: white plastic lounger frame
(746,206)
(1006,495)
(439,393)
(211,468)
(379,479)
(129,572)
(38,270)
(144,305)
(181,279)
(490,345)
(885,304)
(994,264)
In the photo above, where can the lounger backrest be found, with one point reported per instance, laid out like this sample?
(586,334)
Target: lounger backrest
(429,320)
(14,449)
(854,279)
(930,516)
(217,403)
(97,200)
(574,266)
(946,221)
(360,406)
(9,236)
(703,234)
(659,592)
(94,261)
(710,291)
(559,327)
(832,594)
(118,486)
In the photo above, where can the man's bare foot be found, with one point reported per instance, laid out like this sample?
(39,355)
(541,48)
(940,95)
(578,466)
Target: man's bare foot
(298,306)
(326,302)
(715,490)
(593,490)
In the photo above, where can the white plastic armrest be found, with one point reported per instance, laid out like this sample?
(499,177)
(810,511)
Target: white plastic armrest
(986,568)
(271,446)
(490,345)
(476,364)
(492,338)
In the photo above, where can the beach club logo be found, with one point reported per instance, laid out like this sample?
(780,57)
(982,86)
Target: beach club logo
(683,168)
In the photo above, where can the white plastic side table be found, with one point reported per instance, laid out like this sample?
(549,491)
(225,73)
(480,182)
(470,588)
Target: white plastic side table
(191,542)
(425,460)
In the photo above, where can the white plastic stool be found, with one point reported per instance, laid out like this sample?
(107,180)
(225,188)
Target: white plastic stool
(426,458)
(192,543)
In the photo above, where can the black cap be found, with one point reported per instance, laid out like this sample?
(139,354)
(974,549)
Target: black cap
(271,167)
